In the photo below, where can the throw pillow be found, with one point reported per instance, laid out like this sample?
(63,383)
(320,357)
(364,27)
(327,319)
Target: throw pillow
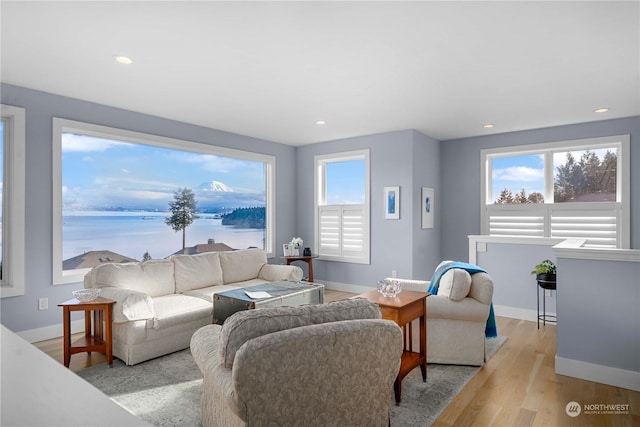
(455,284)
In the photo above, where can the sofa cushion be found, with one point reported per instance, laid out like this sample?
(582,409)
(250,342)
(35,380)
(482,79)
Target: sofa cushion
(455,284)
(238,266)
(154,277)
(246,325)
(172,310)
(197,271)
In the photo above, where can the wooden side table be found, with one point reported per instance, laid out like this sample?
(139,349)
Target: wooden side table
(100,339)
(403,309)
(308,259)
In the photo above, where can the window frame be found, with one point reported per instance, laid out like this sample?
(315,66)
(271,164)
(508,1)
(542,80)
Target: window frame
(623,178)
(60,276)
(14,198)
(320,197)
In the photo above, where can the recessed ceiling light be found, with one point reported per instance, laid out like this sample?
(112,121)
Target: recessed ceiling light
(487,126)
(124,60)
(321,122)
(601,110)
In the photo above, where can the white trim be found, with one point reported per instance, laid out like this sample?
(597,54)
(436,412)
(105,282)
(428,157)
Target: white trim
(598,373)
(50,332)
(13,229)
(63,125)
(517,313)
(572,248)
(346,287)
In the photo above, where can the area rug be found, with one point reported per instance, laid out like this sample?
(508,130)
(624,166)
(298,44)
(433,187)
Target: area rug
(165,392)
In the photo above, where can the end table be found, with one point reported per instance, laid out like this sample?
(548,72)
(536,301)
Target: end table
(100,339)
(403,309)
(306,258)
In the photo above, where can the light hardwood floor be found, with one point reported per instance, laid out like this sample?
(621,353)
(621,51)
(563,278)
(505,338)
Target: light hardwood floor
(517,387)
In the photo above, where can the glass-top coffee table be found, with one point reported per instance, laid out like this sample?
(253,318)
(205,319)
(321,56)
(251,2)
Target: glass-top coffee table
(280,293)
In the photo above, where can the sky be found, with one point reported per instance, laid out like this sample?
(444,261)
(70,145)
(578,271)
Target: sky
(100,173)
(527,171)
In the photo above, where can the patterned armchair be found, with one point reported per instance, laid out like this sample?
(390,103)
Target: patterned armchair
(313,365)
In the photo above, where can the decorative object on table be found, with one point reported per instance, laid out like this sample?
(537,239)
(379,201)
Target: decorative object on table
(86,295)
(392,202)
(286,249)
(306,252)
(389,287)
(427,207)
(545,271)
(295,245)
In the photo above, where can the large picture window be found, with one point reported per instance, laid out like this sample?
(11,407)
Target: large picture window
(571,189)
(121,196)
(342,207)
(12,201)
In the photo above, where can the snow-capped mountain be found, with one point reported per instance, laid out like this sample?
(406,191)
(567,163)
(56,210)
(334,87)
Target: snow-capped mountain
(217,186)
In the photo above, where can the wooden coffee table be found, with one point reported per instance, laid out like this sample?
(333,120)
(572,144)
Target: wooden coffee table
(403,309)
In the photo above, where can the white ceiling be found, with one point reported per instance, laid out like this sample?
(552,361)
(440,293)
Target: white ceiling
(270,70)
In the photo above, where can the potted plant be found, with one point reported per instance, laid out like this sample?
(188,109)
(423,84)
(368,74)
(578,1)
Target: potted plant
(545,271)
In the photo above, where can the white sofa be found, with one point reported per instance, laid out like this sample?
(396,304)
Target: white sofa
(161,303)
(456,317)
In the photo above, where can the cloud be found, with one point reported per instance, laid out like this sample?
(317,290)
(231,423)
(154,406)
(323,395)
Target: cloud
(518,173)
(72,142)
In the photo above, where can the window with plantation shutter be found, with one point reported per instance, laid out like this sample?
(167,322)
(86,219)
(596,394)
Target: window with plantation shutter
(342,224)
(571,189)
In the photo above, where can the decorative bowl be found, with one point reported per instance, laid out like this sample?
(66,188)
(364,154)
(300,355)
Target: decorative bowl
(85,295)
(389,287)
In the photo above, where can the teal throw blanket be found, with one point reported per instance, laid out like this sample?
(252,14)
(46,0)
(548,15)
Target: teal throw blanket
(491,330)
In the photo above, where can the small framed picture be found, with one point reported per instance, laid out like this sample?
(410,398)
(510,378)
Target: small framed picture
(427,207)
(286,249)
(392,202)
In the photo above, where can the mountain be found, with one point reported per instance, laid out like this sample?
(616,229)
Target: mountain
(216,186)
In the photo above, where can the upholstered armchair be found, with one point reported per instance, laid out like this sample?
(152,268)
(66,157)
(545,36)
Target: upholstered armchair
(314,365)
(456,317)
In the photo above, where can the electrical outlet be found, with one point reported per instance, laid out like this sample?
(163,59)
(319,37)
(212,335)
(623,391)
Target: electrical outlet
(547,292)
(43,303)
(394,273)
(481,246)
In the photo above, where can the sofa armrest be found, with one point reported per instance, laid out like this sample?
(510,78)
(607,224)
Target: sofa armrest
(275,273)
(468,309)
(412,285)
(130,305)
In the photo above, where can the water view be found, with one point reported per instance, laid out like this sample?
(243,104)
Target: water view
(132,234)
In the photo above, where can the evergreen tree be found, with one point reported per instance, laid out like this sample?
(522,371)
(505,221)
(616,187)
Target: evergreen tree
(183,211)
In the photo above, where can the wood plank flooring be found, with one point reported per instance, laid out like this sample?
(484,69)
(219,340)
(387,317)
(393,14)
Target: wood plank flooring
(517,387)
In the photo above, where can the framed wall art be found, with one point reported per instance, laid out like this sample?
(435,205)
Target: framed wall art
(391,202)
(426,206)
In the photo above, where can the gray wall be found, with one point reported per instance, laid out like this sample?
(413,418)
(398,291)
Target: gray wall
(407,159)
(514,285)
(460,168)
(599,307)
(21,313)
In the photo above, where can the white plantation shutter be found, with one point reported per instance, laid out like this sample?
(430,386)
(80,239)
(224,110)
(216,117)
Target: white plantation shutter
(343,232)
(596,222)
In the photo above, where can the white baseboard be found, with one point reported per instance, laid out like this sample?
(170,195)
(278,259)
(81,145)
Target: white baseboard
(518,313)
(347,287)
(50,332)
(598,373)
